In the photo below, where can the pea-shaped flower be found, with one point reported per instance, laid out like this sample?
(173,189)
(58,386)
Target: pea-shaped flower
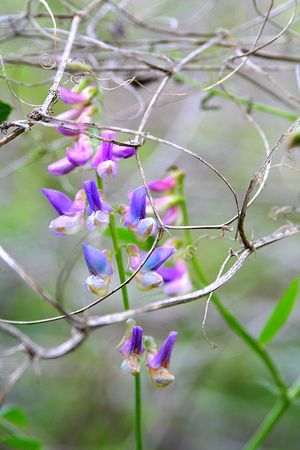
(148,277)
(100,270)
(158,363)
(176,278)
(107,154)
(98,210)
(71,214)
(132,349)
(135,218)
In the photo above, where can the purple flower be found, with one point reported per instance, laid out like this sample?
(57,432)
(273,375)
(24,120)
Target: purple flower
(81,152)
(162,185)
(61,167)
(81,115)
(158,363)
(107,154)
(73,98)
(122,152)
(131,349)
(71,114)
(77,155)
(99,268)
(98,210)
(137,208)
(168,207)
(70,97)
(135,215)
(158,257)
(176,279)
(146,227)
(71,214)
(103,159)
(172,216)
(148,277)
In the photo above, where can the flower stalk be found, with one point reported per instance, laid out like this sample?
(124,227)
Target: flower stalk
(283,401)
(122,278)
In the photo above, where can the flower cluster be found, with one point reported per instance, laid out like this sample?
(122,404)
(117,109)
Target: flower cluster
(164,267)
(81,150)
(134,345)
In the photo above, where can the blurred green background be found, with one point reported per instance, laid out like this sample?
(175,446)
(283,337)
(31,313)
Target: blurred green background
(219,397)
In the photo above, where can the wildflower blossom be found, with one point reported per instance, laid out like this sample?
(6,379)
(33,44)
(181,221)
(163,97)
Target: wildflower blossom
(81,151)
(61,167)
(98,210)
(162,185)
(167,205)
(105,159)
(100,270)
(72,98)
(135,217)
(71,214)
(176,278)
(132,348)
(81,113)
(159,361)
(148,277)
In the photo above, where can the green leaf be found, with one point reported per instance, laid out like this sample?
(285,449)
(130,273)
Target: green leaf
(15,415)
(126,236)
(23,443)
(5,110)
(281,313)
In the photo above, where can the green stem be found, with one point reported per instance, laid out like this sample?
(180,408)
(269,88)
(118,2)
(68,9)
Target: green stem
(240,100)
(137,386)
(268,424)
(187,231)
(119,259)
(122,278)
(138,414)
(229,318)
(283,402)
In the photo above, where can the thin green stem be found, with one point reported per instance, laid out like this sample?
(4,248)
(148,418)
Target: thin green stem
(122,278)
(137,389)
(229,318)
(284,401)
(253,105)
(268,424)
(273,416)
(187,231)
(138,414)
(119,259)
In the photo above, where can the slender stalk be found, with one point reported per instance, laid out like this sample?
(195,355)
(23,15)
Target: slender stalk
(284,401)
(273,416)
(268,424)
(138,413)
(119,259)
(229,318)
(137,386)
(258,106)
(187,231)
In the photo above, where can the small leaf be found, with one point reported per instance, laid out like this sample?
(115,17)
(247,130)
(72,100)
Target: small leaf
(5,110)
(125,236)
(23,443)
(15,415)
(280,313)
